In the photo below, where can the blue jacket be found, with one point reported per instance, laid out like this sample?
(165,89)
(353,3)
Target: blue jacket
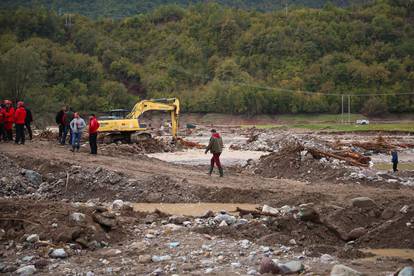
(394,155)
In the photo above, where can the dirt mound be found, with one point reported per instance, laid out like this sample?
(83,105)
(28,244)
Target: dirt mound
(141,147)
(56,222)
(294,162)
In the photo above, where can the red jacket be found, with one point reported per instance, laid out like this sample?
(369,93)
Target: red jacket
(93,126)
(20,116)
(9,115)
(2,115)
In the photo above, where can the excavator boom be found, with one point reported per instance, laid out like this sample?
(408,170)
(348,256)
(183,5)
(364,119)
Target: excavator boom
(131,125)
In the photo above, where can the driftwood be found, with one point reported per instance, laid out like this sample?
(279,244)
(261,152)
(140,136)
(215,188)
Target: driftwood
(319,154)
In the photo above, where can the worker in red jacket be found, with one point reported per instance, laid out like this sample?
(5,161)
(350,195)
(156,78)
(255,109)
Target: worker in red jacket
(2,119)
(93,133)
(19,121)
(8,120)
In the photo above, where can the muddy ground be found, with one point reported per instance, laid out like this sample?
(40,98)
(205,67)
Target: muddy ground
(314,220)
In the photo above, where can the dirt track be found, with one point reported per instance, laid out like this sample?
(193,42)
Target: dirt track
(279,192)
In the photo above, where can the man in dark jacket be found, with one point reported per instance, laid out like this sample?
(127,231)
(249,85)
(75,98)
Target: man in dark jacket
(394,160)
(67,118)
(60,123)
(215,146)
(28,122)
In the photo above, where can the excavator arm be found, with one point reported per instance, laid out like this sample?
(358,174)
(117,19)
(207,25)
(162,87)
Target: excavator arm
(171,104)
(124,128)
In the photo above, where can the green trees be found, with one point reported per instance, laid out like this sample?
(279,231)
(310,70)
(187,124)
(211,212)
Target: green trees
(216,59)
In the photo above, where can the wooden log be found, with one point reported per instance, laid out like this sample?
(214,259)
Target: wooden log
(319,154)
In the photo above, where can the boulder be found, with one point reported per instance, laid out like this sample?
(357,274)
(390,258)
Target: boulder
(225,217)
(117,204)
(33,177)
(59,253)
(26,270)
(357,233)
(33,238)
(106,219)
(406,271)
(342,270)
(77,217)
(268,266)
(308,213)
(363,202)
(291,267)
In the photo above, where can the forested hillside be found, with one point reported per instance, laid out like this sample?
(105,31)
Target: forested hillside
(123,8)
(215,59)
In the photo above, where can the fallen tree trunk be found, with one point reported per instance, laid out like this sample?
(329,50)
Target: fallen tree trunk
(319,154)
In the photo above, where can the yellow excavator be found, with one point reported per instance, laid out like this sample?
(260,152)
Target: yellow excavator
(129,129)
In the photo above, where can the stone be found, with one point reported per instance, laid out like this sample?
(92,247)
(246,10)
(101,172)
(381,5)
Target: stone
(26,270)
(342,270)
(357,233)
(225,217)
(235,265)
(223,224)
(252,272)
(90,273)
(308,213)
(268,266)
(2,234)
(404,209)
(157,259)
(111,252)
(363,202)
(326,258)
(292,242)
(106,219)
(138,246)
(77,217)
(187,223)
(387,214)
(177,219)
(406,271)
(270,210)
(26,259)
(59,253)
(33,177)
(117,204)
(144,259)
(291,267)
(33,238)
(208,270)
(173,227)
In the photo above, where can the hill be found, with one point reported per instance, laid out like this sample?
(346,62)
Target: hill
(124,8)
(215,59)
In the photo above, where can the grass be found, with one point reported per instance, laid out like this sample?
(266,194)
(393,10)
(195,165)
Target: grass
(317,118)
(388,166)
(341,127)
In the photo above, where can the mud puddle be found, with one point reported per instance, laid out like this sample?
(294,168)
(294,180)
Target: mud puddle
(389,253)
(191,209)
(197,157)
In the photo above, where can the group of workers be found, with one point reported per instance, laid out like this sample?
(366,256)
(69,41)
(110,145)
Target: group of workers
(70,122)
(19,116)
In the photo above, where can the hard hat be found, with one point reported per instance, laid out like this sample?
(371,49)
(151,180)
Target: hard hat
(7,102)
(20,104)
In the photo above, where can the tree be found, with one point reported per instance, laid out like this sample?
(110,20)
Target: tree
(21,69)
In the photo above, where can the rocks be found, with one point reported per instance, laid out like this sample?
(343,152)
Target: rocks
(207,214)
(326,258)
(26,270)
(117,204)
(342,270)
(2,234)
(270,210)
(157,259)
(59,253)
(357,233)
(291,267)
(144,259)
(177,219)
(111,252)
(106,219)
(77,217)
(223,224)
(268,266)
(32,238)
(32,176)
(173,227)
(363,203)
(388,213)
(406,271)
(308,213)
(225,217)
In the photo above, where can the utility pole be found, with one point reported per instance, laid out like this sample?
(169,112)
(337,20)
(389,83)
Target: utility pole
(286,7)
(349,109)
(342,109)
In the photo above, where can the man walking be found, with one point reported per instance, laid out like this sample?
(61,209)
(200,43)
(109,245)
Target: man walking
(28,123)
(394,160)
(20,119)
(8,120)
(215,146)
(77,125)
(93,134)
